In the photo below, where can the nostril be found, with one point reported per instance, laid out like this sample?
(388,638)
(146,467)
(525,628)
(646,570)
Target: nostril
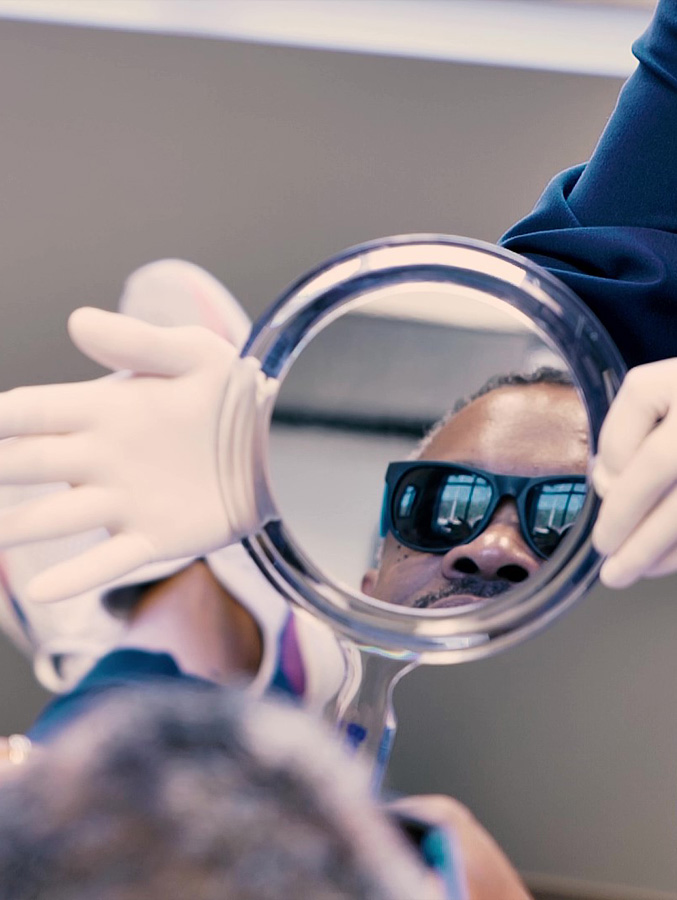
(466,565)
(513,573)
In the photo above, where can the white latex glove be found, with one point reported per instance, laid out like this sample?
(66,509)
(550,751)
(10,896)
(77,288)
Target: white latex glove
(636,475)
(162,460)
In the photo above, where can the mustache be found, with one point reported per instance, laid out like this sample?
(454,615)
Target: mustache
(465,584)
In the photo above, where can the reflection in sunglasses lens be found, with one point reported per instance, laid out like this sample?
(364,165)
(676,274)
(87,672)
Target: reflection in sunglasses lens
(463,502)
(554,509)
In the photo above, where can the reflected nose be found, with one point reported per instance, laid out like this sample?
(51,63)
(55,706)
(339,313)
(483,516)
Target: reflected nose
(498,553)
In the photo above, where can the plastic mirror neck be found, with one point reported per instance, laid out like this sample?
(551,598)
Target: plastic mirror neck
(363,710)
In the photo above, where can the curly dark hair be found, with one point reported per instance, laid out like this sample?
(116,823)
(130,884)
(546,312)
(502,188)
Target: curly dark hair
(189,793)
(542,375)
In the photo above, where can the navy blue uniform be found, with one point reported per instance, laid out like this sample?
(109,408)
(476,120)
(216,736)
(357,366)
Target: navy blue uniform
(608,229)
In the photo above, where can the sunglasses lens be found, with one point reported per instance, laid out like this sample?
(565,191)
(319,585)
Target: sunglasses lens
(435,508)
(552,509)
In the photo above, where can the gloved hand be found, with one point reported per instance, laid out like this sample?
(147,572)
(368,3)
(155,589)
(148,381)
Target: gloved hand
(636,475)
(161,459)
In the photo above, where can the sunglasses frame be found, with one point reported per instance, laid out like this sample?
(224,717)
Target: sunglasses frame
(515,486)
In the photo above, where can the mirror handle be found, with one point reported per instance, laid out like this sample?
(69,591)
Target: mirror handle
(363,709)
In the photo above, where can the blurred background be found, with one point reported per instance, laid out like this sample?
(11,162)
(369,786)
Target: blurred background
(256,138)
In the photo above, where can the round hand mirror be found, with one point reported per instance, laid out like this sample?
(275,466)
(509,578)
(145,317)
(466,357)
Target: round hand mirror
(438,402)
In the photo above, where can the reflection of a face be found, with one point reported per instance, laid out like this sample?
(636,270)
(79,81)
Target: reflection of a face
(531,430)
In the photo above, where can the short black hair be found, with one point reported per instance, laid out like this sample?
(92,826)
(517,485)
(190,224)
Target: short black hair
(196,793)
(542,375)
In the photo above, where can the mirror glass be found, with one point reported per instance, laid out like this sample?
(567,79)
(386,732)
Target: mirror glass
(429,448)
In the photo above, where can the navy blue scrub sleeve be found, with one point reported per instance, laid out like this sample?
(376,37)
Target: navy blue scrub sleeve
(608,229)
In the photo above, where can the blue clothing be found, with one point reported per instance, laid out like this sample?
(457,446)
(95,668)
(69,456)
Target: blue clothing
(130,666)
(120,668)
(608,229)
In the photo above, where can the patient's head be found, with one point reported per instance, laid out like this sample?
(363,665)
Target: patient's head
(192,793)
(447,544)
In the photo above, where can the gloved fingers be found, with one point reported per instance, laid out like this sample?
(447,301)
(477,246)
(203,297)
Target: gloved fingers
(120,342)
(46,409)
(175,292)
(645,480)
(99,565)
(44,459)
(55,515)
(666,565)
(599,476)
(643,399)
(648,544)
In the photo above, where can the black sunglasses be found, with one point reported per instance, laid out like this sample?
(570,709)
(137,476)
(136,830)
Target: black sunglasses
(434,506)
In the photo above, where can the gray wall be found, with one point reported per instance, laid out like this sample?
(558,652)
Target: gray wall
(258,162)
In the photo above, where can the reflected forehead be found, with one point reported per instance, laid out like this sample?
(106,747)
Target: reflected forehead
(531,428)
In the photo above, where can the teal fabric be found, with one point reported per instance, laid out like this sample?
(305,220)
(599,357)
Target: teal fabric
(130,666)
(120,668)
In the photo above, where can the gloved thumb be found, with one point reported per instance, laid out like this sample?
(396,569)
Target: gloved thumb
(120,342)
